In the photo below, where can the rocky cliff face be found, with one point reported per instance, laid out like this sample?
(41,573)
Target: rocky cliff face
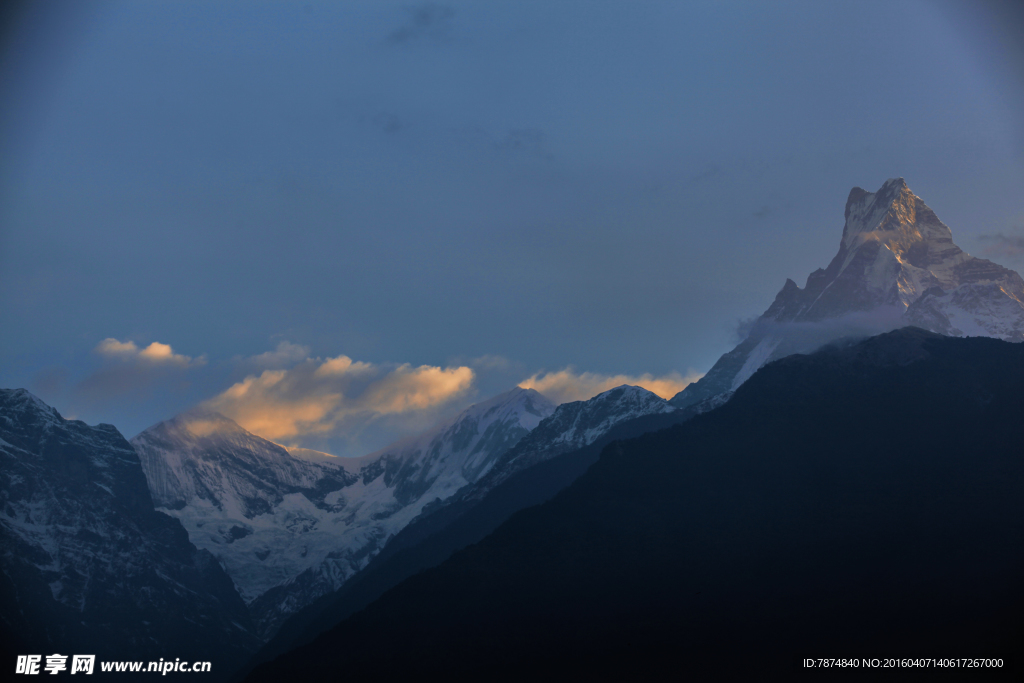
(89,565)
(897,265)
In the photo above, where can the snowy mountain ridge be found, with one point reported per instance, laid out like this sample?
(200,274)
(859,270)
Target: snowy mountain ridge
(571,426)
(291,526)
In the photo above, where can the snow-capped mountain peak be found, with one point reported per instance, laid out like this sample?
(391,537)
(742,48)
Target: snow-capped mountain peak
(571,426)
(897,265)
(587,420)
(24,401)
(202,455)
(884,215)
(439,462)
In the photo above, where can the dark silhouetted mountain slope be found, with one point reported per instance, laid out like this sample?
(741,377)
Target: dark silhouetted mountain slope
(864,500)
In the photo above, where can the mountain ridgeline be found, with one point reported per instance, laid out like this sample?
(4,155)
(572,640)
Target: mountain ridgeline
(863,500)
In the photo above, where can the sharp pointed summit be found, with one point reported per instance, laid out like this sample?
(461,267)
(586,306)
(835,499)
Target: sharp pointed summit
(897,265)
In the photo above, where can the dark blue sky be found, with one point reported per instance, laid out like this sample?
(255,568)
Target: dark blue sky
(512,188)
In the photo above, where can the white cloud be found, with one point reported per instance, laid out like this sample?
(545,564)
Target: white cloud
(316,397)
(154,354)
(285,354)
(566,385)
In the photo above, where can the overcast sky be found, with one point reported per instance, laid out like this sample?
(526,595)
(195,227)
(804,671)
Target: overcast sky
(340,221)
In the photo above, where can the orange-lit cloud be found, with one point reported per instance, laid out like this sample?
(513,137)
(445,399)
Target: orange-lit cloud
(408,388)
(342,365)
(316,396)
(156,353)
(566,385)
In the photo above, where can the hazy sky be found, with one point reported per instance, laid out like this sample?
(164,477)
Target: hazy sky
(360,216)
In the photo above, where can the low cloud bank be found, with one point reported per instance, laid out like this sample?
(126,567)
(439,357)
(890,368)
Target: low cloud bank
(567,385)
(337,404)
(804,337)
(318,397)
